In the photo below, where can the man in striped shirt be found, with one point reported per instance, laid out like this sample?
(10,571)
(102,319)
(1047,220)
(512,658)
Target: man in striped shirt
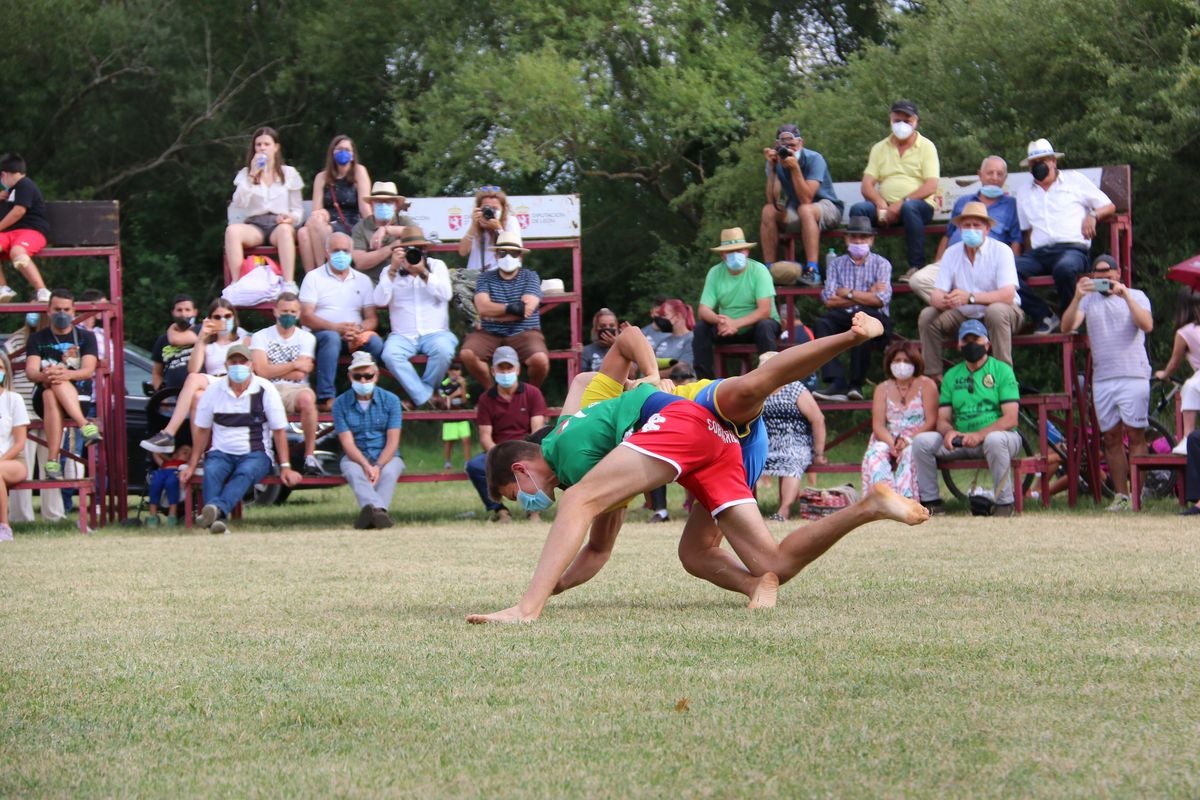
(507,299)
(239,415)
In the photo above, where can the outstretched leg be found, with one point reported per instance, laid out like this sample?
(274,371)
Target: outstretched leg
(701,555)
(749,538)
(740,399)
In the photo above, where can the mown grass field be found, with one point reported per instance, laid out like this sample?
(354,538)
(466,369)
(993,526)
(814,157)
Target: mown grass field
(1055,655)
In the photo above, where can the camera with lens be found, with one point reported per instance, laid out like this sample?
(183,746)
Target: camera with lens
(783,152)
(488,213)
(957,441)
(413,255)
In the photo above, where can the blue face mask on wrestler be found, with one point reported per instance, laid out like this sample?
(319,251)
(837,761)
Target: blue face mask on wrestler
(532,503)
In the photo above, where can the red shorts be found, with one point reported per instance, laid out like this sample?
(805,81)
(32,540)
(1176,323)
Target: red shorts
(31,240)
(705,454)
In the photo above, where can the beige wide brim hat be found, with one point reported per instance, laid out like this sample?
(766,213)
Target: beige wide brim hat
(509,241)
(386,190)
(732,239)
(973,210)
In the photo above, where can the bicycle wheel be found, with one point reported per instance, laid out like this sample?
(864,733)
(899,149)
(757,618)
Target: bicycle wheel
(959,480)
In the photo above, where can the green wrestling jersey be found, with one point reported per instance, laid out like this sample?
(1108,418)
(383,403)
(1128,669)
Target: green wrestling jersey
(578,443)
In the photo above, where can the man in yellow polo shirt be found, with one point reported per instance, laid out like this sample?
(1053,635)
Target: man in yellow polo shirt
(899,182)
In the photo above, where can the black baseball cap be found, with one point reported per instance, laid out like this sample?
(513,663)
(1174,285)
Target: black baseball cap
(906,107)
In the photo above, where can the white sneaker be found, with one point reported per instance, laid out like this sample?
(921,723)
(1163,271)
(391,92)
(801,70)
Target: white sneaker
(1120,503)
(1048,325)
(7,295)
(289,286)
(43,295)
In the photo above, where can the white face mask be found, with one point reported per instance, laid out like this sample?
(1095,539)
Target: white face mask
(508,263)
(902,130)
(903,370)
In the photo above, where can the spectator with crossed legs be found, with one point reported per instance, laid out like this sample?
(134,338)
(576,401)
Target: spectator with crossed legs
(621,447)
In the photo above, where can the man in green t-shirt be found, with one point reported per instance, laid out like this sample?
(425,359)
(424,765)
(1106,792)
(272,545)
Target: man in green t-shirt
(618,448)
(737,304)
(977,418)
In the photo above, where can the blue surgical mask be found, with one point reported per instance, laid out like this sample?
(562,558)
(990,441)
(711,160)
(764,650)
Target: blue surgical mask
(384,212)
(229,325)
(363,388)
(239,373)
(506,379)
(342,157)
(340,260)
(736,262)
(288,320)
(532,503)
(2,375)
(992,192)
(61,320)
(32,319)
(972,239)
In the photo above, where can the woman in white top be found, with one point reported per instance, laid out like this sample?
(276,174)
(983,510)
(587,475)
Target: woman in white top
(489,219)
(14,425)
(269,192)
(219,332)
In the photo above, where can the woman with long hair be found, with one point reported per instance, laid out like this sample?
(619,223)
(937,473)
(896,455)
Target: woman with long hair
(677,320)
(268,191)
(340,199)
(219,332)
(490,217)
(904,405)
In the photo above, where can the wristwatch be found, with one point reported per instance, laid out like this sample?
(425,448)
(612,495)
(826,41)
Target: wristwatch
(971,299)
(285,465)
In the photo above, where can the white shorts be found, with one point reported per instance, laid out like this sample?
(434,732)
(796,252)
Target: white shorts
(1190,393)
(1122,400)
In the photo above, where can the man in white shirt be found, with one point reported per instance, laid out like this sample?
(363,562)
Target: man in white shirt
(977,280)
(284,354)
(336,304)
(416,290)
(239,416)
(1058,212)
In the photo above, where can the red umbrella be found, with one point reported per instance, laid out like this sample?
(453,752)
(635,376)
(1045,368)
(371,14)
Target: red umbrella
(1186,272)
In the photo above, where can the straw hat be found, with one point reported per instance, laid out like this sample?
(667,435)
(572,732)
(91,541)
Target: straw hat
(732,239)
(1039,148)
(973,210)
(386,190)
(509,241)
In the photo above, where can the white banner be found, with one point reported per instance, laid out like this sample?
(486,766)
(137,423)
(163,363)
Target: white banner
(554,216)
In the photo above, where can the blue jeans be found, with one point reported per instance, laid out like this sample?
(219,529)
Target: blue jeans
(330,345)
(227,478)
(914,215)
(477,472)
(439,347)
(1066,262)
(164,480)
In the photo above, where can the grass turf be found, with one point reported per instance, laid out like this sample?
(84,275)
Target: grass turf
(1054,655)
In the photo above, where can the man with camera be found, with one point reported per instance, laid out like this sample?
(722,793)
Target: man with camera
(977,418)
(1118,319)
(800,199)
(416,290)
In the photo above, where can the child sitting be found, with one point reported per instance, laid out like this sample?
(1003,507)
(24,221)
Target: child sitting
(452,395)
(166,479)
(23,226)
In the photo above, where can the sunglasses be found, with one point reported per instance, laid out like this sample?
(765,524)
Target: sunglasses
(221,316)
(363,377)
(489,189)
(508,252)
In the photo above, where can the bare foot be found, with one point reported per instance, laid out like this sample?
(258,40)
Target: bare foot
(865,327)
(765,591)
(508,616)
(883,503)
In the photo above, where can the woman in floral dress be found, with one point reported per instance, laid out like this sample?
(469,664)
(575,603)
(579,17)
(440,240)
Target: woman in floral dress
(904,405)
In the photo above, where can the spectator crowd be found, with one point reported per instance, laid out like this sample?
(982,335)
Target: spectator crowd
(360,252)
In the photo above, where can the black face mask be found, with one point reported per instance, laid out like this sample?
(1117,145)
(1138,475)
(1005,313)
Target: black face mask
(663,324)
(183,323)
(1040,171)
(973,351)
